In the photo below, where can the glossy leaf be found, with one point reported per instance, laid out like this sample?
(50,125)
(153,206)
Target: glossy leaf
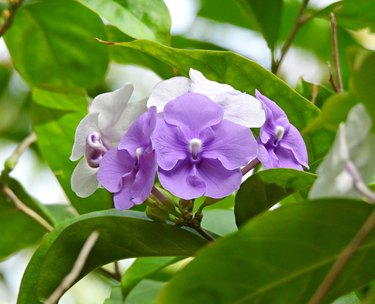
(244,75)
(283,254)
(266,188)
(121,235)
(145,293)
(221,222)
(268,17)
(140,19)
(47,54)
(317,94)
(55,131)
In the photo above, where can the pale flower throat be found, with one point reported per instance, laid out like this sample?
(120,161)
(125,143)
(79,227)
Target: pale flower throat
(195,146)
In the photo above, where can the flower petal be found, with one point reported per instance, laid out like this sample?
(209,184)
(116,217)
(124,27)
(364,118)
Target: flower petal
(286,159)
(182,181)
(87,125)
(193,112)
(123,198)
(219,181)
(113,166)
(139,133)
(273,111)
(242,109)
(168,90)
(234,145)
(83,179)
(201,85)
(169,143)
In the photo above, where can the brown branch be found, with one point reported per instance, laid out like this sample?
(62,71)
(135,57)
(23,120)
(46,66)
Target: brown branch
(8,15)
(26,210)
(76,270)
(297,25)
(331,79)
(335,52)
(250,166)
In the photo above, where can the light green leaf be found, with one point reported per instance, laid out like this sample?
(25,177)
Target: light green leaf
(281,256)
(140,19)
(316,93)
(268,17)
(266,188)
(52,45)
(244,75)
(145,293)
(122,234)
(55,131)
(220,222)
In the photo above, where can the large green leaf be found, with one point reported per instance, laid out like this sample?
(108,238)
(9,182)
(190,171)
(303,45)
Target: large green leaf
(244,75)
(266,188)
(281,256)
(18,230)
(268,17)
(122,234)
(55,129)
(52,44)
(140,19)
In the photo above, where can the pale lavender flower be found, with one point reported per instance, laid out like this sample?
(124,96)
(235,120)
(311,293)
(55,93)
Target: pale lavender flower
(129,170)
(199,152)
(110,116)
(238,107)
(280,144)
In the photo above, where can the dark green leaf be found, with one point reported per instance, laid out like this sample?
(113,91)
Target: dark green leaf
(55,131)
(266,188)
(123,234)
(268,17)
(281,256)
(52,45)
(140,19)
(244,75)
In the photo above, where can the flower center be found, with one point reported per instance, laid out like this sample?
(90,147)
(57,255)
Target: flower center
(195,146)
(279,134)
(138,152)
(95,149)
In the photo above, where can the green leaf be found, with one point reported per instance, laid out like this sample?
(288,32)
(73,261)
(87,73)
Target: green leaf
(122,234)
(244,75)
(316,93)
(52,45)
(283,254)
(143,268)
(55,131)
(220,222)
(266,188)
(140,19)
(115,297)
(18,230)
(145,293)
(268,17)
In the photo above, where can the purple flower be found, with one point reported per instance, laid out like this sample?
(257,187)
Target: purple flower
(280,144)
(129,170)
(199,152)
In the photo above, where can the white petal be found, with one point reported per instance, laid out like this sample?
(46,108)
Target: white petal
(84,182)
(111,105)
(358,126)
(242,109)
(202,85)
(168,90)
(87,125)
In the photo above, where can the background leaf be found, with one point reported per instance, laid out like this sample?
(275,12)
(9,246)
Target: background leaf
(282,255)
(122,235)
(47,54)
(266,188)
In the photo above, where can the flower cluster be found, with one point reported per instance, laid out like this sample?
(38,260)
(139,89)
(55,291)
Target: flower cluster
(196,135)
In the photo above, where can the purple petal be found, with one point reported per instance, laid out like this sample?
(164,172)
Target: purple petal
(183,180)
(112,167)
(139,133)
(265,157)
(270,107)
(234,145)
(123,198)
(169,143)
(193,112)
(219,181)
(293,141)
(286,159)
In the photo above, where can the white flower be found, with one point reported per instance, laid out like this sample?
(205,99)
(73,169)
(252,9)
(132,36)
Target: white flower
(240,108)
(110,115)
(351,161)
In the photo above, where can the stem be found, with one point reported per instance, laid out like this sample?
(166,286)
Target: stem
(335,52)
(117,271)
(297,25)
(331,80)
(204,233)
(109,274)
(26,210)
(76,270)
(250,166)
(8,15)
(343,259)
